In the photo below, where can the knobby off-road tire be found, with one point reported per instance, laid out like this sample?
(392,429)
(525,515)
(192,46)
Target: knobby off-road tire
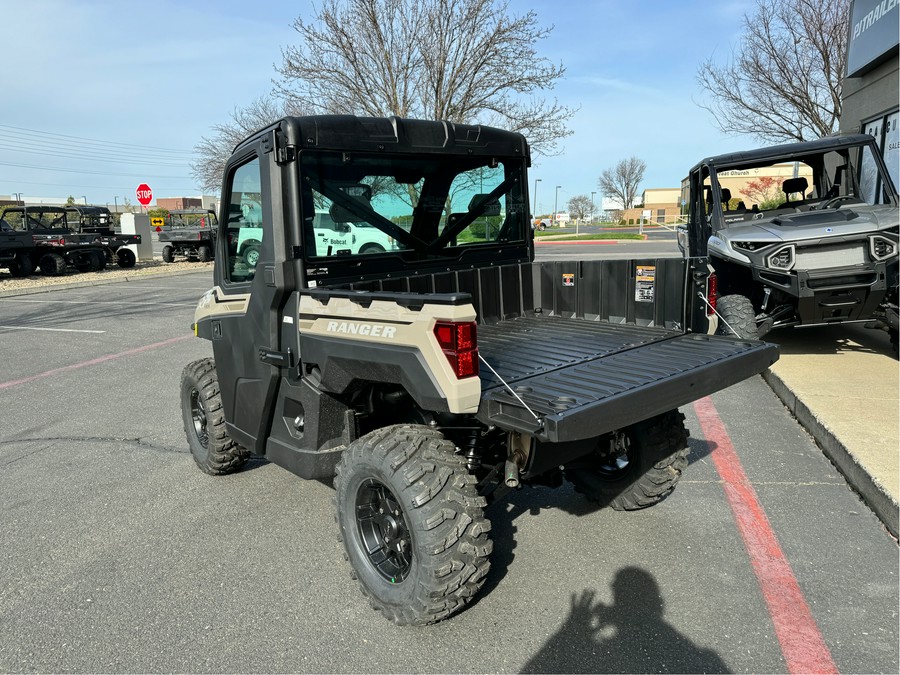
(204,253)
(647,470)
(737,311)
(204,421)
(52,264)
(168,254)
(22,266)
(412,524)
(125,258)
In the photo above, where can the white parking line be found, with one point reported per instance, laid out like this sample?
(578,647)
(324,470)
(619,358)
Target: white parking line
(55,330)
(101,302)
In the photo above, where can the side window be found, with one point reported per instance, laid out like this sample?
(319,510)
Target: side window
(244,223)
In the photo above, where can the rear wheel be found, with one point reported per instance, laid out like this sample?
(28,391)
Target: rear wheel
(97,260)
(737,316)
(52,264)
(412,523)
(636,467)
(372,248)
(204,253)
(168,254)
(125,258)
(204,421)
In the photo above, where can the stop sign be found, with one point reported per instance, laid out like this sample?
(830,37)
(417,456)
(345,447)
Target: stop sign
(144,194)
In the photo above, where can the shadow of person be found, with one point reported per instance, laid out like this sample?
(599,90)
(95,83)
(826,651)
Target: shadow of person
(628,636)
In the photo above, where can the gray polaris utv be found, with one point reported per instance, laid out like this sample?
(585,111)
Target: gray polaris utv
(798,235)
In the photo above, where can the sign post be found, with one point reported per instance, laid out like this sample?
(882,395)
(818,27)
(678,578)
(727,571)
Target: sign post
(144,195)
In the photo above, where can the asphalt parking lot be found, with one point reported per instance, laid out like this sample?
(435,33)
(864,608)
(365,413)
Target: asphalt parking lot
(119,555)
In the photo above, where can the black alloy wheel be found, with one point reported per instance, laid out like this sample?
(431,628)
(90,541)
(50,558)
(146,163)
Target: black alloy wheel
(383,530)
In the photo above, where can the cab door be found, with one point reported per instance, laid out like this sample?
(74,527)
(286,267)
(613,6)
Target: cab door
(245,334)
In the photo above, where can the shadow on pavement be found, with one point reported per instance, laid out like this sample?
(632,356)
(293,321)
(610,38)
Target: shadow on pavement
(628,636)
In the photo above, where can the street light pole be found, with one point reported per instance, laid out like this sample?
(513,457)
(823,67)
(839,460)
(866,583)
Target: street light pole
(592,207)
(555,204)
(85,199)
(534,209)
(116,202)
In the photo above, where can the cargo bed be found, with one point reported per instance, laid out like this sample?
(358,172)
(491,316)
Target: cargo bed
(575,379)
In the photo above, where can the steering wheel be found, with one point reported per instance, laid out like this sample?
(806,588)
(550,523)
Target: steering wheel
(835,202)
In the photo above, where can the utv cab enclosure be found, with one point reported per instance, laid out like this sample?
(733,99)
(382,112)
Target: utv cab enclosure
(190,233)
(811,238)
(434,374)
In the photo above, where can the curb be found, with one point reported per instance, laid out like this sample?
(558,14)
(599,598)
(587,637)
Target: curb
(96,282)
(870,491)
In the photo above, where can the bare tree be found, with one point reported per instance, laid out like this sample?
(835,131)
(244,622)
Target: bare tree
(212,152)
(783,83)
(579,206)
(466,61)
(621,182)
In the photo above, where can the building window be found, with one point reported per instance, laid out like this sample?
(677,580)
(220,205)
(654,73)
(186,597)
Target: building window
(887,136)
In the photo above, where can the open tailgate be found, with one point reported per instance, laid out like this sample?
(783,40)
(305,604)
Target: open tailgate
(635,374)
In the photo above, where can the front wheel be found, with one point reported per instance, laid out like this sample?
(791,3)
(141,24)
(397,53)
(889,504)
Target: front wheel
(737,317)
(636,467)
(204,253)
(22,266)
(204,421)
(251,256)
(412,523)
(168,254)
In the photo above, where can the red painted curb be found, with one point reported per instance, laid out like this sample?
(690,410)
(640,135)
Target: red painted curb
(802,644)
(92,362)
(589,241)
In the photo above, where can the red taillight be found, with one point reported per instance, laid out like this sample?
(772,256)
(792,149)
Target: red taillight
(459,342)
(712,293)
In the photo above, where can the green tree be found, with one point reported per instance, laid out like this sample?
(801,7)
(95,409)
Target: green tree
(70,201)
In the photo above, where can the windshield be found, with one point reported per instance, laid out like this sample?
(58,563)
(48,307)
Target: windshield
(414,206)
(39,218)
(191,219)
(844,177)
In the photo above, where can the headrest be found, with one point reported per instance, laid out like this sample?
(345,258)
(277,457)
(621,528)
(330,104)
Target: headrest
(726,195)
(792,185)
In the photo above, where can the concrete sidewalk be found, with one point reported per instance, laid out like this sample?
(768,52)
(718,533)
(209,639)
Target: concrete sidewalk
(841,383)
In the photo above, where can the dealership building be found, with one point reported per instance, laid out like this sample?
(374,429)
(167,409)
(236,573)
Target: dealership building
(871,98)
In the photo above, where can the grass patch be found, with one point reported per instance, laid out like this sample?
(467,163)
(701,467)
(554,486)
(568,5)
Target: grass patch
(602,235)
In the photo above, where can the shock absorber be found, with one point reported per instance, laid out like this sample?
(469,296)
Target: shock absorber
(471,450)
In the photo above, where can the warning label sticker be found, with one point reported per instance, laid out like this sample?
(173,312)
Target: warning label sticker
(644,283)
(568,279)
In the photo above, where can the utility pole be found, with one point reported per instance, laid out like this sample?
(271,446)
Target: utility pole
(534,209)
(555,205)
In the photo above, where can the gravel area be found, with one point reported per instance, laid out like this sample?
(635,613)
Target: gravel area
(114,272)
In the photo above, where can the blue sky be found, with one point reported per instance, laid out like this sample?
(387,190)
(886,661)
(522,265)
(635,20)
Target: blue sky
(100,96)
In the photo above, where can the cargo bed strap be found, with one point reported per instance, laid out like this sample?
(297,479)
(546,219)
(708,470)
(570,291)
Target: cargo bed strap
(716,312)
(511,390)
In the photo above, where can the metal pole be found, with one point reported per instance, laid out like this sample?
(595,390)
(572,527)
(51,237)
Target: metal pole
(555,205)
(534,209)
(116,202)
(85,199)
